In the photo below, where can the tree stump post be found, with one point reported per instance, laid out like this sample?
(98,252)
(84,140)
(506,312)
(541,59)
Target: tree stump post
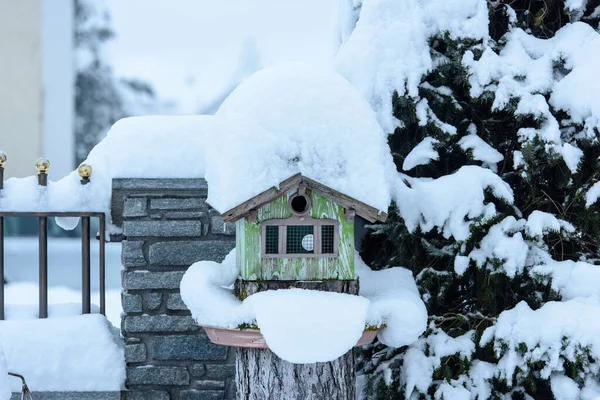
(261,375)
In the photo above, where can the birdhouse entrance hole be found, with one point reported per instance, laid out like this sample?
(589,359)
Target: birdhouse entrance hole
(299,204)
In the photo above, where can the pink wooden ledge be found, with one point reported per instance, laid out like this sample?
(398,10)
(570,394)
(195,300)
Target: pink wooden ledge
(253,338)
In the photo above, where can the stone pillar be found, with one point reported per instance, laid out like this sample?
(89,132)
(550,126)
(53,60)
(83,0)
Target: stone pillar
(166,227)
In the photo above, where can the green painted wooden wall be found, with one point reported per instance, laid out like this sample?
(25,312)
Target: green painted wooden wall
(248,245)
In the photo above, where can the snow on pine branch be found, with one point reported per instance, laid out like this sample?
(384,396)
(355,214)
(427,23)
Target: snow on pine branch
(544,339)
(570,279)
(593,194)
(450,203)
(421,154)
(563,68)
(388,50)
(480,150)
(508,245)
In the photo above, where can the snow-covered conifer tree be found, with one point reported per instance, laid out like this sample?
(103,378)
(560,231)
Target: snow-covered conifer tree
(492,111)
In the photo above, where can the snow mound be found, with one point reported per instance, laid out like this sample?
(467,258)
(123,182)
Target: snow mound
(335,324)
(282,120)
(77,353)
(306,326)
(389,291)
(139,147)
(297,118)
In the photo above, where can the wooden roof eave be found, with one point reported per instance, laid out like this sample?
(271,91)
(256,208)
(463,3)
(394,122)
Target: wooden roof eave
(365,211)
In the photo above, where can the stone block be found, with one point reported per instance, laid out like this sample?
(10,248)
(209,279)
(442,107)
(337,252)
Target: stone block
(201,395)
(132,253)
(135,353)
(159,184)
(177,204)
(210,384)
(135,207)
(198,370)
(147,395)
(123,188)
(220,227)
(151,375)
(162,228)
(159,323)
(220,371)
(139,280)
(187,347)
(175,303)
(71,395)
(184,214)
(153,301)
(188,252)
(131,302)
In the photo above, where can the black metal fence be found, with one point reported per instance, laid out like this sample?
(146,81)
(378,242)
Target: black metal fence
(42,166)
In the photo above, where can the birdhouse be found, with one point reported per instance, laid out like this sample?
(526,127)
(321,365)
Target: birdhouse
(297,235)
(300,231)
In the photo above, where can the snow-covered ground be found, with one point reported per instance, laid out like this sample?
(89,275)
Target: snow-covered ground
(64,275)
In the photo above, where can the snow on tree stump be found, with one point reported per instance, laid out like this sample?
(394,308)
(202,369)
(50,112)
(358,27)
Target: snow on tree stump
(298,235)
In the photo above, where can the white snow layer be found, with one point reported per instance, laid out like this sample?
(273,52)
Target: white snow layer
(524,70)
(425,356)
(64,353)
(5,391)
(421,154)
(388,50)
(571,279)
(283,120)
(593,194)
(553,334)
(480,150)
(307,326)
(296,118)
(134,147)
(334,321)
(451,202)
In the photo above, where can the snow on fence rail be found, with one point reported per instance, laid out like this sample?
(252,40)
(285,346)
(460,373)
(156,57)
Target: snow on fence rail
(85,172)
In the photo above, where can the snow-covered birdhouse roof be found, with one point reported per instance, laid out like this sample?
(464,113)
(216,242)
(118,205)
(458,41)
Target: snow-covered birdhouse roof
(361,209)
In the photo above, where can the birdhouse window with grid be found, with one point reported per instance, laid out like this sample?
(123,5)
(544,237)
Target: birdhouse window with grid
(300,235)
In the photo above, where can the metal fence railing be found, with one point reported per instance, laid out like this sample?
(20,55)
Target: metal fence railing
(42,166)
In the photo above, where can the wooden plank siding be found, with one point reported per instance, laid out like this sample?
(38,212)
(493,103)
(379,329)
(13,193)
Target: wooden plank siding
(254,267)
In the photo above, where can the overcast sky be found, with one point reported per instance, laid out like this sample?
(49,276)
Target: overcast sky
(190,49)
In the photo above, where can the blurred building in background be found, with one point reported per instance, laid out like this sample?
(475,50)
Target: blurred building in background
(37,85)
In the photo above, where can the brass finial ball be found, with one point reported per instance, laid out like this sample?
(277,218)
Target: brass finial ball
(2,158)
(42,165)
(85,171)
